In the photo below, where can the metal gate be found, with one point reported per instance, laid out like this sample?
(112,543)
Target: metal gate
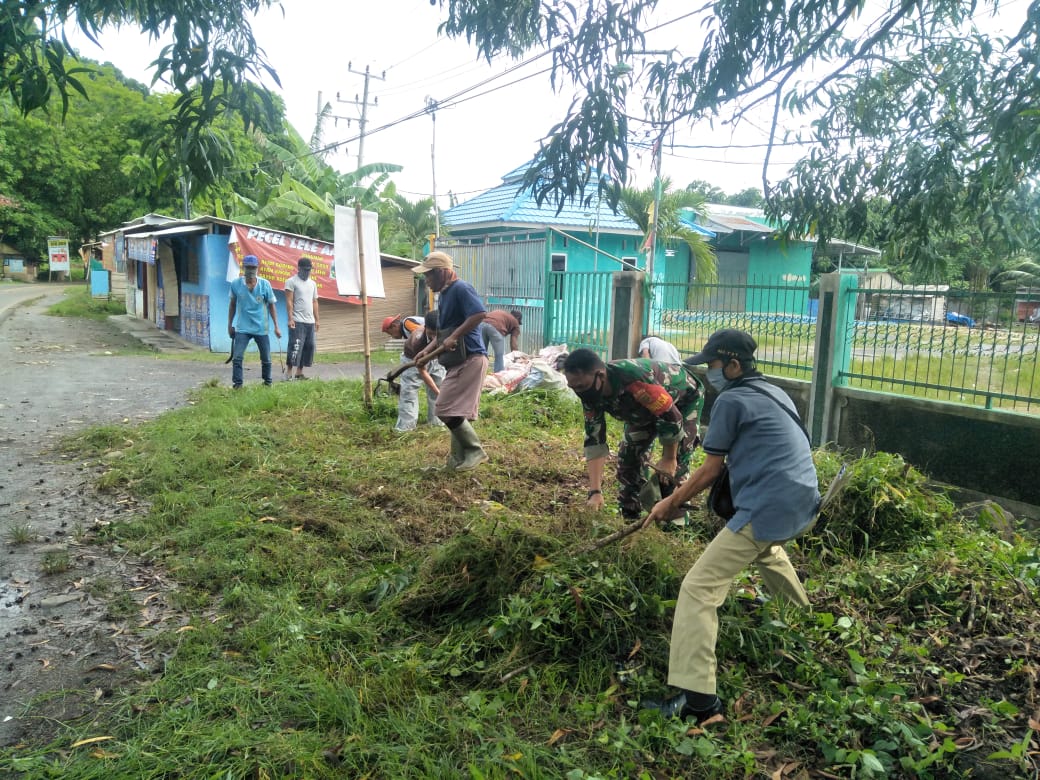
(507,275)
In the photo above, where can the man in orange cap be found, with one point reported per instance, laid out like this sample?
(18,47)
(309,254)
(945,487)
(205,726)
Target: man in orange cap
(413,330)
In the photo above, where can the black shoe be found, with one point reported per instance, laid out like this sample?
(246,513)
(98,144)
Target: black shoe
(676,707)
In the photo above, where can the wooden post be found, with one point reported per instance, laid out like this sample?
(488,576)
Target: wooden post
(364,304)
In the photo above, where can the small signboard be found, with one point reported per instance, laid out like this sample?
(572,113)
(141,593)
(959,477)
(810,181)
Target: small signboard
(58,254)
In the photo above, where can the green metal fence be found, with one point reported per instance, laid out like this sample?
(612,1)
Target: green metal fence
(578,305)
(927,341)
(975,348)
(780,317)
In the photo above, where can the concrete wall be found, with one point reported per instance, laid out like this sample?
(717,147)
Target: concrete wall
(987,453)
(991,452)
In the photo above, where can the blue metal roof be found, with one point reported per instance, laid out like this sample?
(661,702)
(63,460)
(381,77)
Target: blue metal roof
(698,228)
(509,204)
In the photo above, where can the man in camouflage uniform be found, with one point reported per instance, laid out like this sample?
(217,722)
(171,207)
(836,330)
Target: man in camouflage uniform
(655,400)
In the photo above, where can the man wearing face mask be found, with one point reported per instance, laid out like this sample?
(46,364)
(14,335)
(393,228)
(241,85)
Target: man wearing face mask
(655,400)
(301,302)
(753,429)
(465,358)
(252,299)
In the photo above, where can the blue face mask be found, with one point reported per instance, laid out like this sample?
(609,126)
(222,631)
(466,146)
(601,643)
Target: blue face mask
(717,379)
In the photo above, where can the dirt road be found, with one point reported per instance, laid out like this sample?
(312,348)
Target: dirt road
(75,617)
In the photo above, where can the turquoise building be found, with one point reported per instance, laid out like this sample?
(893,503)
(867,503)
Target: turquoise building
(556,265)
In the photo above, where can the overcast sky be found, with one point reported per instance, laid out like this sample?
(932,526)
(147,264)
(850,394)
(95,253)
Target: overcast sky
(492,126)
(495,118)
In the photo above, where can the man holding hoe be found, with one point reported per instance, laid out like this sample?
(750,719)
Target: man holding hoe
(755,431)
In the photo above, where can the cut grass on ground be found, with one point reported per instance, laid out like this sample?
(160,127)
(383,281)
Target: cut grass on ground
(354,610)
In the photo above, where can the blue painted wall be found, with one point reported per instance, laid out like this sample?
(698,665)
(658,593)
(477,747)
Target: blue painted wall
(213,258)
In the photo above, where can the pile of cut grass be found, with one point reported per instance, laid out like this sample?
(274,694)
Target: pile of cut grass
(355,610)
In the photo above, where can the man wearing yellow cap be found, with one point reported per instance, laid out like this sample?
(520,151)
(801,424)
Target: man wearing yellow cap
(465,358)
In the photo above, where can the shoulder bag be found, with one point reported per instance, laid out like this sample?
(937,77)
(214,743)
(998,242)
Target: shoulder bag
(450,358)
(720,497)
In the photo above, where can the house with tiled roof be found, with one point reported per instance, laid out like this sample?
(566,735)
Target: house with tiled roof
(589,236)
(581,236)
(504,242)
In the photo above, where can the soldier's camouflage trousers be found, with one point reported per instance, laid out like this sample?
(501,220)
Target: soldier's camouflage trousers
(634,460)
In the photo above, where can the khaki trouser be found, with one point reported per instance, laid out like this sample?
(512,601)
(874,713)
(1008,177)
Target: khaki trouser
(691,661)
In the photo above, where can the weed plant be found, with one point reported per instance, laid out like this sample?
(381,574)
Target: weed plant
(352,609)
(20,533)
(78,302)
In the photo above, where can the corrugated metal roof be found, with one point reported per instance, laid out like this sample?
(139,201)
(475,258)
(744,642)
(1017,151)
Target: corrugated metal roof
(508,204)
(733,223)
(172,231)
(838,246)
(698,228)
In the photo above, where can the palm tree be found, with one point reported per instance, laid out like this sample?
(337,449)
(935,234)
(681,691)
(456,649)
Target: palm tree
(416,222)
(638,205)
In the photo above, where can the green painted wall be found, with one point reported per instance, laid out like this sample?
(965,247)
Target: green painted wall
(974,448)
(773,263)
(672,262)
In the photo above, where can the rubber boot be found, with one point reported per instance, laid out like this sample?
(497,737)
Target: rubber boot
(458,452)
(473,453)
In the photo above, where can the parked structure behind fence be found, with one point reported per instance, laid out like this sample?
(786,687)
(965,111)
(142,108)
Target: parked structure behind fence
(926,340)
(968,347)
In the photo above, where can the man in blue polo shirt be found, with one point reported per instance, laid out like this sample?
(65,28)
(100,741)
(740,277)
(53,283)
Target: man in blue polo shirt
(252,299)
(755,431)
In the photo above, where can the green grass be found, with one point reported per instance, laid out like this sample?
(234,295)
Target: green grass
(20,533)
(380,358)
(79,303)
(353,610)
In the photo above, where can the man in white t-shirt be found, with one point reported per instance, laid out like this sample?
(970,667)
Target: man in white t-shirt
(301,302)
(658,349)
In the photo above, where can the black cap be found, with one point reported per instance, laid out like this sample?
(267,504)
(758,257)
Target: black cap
(727,344)
(303,262)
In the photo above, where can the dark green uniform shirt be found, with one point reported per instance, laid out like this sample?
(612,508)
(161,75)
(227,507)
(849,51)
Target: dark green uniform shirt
(643,392)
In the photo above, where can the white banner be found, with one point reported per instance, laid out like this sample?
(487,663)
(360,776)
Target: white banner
(233,271)
(348,274)
(58,254)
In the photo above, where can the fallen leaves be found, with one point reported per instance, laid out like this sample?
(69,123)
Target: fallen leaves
(558,735)
(90,741)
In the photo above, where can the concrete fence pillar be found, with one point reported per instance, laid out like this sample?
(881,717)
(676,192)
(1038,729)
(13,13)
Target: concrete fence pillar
(832,353)
(627,314)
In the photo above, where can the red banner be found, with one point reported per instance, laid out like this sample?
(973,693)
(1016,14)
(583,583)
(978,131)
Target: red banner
(278,253)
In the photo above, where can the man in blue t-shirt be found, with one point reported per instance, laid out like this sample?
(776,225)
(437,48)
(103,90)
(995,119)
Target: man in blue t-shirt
(461,312)
(755,431)
(252,299)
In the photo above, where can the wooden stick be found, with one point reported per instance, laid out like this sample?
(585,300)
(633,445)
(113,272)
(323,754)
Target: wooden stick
(617,536)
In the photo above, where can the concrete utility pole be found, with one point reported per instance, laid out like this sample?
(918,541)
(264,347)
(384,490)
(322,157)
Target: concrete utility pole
(320,116)
(431,107)
(364,104)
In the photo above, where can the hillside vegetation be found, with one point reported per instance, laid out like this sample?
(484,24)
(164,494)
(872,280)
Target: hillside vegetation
(348,608)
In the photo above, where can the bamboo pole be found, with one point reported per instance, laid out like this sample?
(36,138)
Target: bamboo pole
(364,304)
